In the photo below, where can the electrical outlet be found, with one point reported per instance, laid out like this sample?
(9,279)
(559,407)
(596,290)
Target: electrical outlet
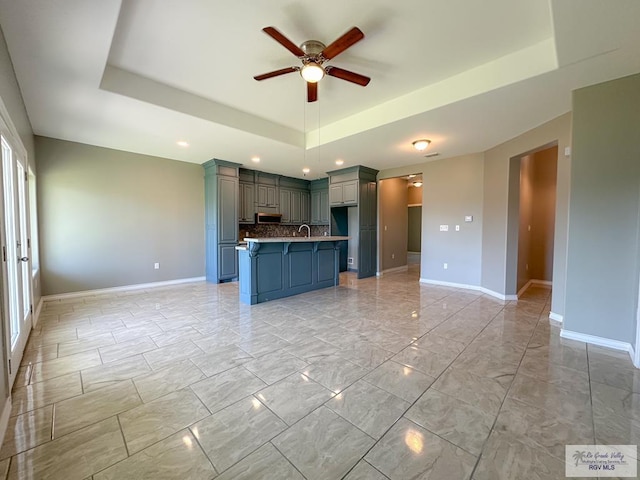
(156,266)
(457,228)
(350,260)
(393,255)
(445,266)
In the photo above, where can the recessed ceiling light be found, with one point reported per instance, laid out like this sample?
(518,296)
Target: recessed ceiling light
(413,175)
(306,170)
(182,143)
(255,159)
(339,162)
(417,184)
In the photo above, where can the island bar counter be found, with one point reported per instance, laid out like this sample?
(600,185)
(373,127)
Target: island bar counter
(277,267)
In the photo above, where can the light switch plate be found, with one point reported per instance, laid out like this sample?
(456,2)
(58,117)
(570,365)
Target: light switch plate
(468,218)
(444,228)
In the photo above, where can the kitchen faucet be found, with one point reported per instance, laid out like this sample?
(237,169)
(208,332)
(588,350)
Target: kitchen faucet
(308,229)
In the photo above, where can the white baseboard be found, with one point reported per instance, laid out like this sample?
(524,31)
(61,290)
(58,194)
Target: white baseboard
(4,418)
(125,288)
(470,287)
(599,341)
(402,268)
(524,289)
(36,315)
(556,317)
(533,281)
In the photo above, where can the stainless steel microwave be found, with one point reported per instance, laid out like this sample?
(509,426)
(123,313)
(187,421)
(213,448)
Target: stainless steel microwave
(269,218)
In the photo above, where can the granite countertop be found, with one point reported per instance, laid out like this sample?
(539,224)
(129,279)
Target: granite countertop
(327,238)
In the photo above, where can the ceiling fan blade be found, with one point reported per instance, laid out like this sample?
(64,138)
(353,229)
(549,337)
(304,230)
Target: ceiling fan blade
(312,92)
(348,76)
(276,73)
(341,44)
(284,41)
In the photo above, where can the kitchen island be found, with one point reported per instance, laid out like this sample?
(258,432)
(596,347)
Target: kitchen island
(277,267)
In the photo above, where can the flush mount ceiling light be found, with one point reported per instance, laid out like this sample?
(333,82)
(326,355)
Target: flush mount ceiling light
(417,184)
(305,170)
(312,72)
(255,159)
(339,162)
(182,143)
(421,145)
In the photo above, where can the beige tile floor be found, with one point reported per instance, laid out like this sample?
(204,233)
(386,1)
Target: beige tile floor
(378,378)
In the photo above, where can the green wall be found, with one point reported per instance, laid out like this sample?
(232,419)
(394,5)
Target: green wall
(500,222)
(602,264)
(106,216)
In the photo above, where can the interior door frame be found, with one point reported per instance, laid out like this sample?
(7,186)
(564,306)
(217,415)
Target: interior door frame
(11,359)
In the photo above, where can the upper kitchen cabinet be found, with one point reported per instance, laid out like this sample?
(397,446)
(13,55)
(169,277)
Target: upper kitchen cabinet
(221,216)
(247,203)
(305,207)
(343,187)
(319,202)
(294,200)
(267,192)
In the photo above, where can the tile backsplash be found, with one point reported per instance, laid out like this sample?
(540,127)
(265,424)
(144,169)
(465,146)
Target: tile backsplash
(280,230)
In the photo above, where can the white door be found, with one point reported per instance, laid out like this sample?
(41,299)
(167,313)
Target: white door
(15,255)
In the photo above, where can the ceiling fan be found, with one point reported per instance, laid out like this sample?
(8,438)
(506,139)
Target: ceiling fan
(313,55)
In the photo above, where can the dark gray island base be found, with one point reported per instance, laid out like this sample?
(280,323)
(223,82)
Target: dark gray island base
(279,267)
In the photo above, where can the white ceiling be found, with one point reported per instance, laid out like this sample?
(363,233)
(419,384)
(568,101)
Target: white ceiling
(139,75)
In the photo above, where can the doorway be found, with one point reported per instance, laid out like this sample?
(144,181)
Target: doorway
(532,205)
(16,244)
(400,222)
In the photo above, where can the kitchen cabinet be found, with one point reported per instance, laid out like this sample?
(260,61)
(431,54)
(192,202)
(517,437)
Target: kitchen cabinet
(285,205)
(221,217)
(294,200)
(305,207)
(266,192)
(247,208)
(343,193)
(319,202)
(353,194)
(367,251)
(294,206)
(267,196)
(277,268)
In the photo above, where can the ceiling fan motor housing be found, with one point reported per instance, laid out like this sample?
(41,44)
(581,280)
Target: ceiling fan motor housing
(312,48)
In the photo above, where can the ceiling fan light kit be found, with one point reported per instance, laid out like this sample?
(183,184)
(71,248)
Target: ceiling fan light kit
(312,72)
(313,54)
